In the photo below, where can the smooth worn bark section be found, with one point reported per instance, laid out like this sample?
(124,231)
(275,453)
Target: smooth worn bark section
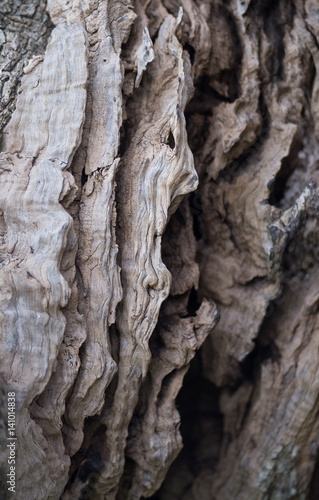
(159,167)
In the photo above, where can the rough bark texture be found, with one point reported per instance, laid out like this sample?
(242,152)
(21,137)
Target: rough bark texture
(158,172)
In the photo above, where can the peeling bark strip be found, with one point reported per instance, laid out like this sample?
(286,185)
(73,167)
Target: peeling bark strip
(39,144)
(108,285)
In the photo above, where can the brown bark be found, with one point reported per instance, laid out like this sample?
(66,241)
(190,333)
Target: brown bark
(158,171)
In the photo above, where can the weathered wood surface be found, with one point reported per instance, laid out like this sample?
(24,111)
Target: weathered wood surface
(109,285)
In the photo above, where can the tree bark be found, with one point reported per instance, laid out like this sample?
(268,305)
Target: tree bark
(158,196)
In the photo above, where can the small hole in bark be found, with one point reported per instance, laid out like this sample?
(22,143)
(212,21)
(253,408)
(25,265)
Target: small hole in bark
(193,304)
(171,140)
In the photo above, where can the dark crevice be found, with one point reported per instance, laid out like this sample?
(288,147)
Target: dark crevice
(279,183)
(265,345)
(196,209)
(114,337)
(199,400)
(154,37)
(90,466)
(311,80)
(250,367)
(314,484)
(87,463)
(201,429)
(257,282)
(191,51)
(205,98)
(126,479)
(288,165)
(84,178)
(123,141)
(193,303)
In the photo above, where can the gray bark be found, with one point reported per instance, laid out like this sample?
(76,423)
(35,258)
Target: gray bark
(158,196)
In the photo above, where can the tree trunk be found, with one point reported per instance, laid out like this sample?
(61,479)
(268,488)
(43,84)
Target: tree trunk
(158,173)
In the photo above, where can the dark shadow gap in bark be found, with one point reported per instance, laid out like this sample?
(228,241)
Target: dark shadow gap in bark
(198,398)
(84,177)
(115,343)
(195,204)
(191,51)
(91,465)
(201,429)
(205,98)
(314,484)
(288,165)
(193,303)
(87,463)
(126,479)
(265,348)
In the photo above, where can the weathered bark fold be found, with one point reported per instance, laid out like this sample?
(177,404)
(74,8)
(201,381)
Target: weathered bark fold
(112,274)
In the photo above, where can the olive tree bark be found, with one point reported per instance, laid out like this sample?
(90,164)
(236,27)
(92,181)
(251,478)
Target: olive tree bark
(158,168)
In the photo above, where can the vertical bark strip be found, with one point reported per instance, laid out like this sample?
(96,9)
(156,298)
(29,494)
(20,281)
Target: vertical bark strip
(39,144)
(149,185)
